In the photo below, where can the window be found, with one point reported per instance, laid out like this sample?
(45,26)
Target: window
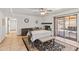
(66,27)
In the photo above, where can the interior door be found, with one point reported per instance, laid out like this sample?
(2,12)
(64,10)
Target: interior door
(12,25)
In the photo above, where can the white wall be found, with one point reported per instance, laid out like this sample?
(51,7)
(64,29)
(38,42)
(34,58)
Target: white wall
(21,24)
(2,27)
(48,19)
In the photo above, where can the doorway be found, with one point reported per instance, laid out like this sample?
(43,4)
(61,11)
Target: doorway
(11,25)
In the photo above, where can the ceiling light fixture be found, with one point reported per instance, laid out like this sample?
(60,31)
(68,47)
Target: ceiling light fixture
(42,13)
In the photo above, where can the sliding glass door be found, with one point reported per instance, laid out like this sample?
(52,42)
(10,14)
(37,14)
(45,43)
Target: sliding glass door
(60,27)
(73,28)
(66,27)
(67,22)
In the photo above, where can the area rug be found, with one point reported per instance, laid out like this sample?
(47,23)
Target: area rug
(47,46)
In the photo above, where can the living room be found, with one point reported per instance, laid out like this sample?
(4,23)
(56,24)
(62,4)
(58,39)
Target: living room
(34,19)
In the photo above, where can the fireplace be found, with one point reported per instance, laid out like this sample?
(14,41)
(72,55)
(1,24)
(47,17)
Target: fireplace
(47,28)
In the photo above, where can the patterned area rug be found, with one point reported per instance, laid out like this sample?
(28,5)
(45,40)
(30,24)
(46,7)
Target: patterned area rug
(46,46)
(29,46)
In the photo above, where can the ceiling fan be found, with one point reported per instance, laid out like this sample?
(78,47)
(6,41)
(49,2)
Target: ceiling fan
(43,11)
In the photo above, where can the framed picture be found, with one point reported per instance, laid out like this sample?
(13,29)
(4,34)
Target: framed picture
(26,20)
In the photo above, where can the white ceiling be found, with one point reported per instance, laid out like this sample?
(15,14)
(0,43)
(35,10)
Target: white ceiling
(29,11)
